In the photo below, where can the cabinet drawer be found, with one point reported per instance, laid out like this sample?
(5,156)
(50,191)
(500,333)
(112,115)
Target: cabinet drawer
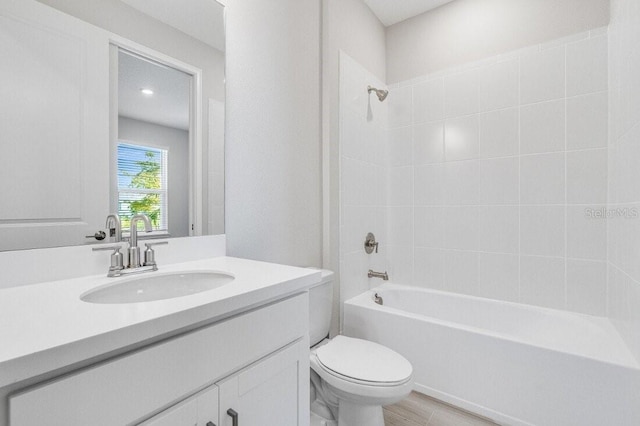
(199,410)
(129,388)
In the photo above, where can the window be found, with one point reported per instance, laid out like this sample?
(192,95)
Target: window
(142,184)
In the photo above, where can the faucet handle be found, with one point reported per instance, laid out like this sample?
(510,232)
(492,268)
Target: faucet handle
(370,243)
(115,247)
(150,255)
(159,243)
(117,260)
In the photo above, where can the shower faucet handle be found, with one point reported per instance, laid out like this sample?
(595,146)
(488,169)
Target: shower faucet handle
(370,243)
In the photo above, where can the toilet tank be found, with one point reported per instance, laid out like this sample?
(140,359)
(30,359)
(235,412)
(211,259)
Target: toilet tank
(320,307)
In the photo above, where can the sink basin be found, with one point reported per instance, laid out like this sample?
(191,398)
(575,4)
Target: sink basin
(157,287)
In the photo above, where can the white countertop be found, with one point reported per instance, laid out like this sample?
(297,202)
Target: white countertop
(44,327)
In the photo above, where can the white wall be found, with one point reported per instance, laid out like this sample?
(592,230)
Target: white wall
(468,30)
(494,171)
(121,19)
(349,28)
(624,171)
(177,142)
(273,151)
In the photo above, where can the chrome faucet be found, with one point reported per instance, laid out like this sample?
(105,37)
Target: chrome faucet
(134,250)
(374,274)
(114,226)
(117,262)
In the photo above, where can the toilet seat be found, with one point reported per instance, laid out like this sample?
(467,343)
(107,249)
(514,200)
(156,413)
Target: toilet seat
(364,362)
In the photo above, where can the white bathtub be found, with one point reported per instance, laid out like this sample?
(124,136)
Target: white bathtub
(513,363)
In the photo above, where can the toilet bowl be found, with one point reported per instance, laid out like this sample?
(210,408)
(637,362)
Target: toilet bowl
(351,379)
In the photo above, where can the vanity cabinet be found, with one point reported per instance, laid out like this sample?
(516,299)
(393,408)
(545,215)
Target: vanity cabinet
(255,363)
(198,410)
(266,393)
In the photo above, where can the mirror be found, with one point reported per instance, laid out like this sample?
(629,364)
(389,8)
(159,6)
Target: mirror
(153,143)
(72,109)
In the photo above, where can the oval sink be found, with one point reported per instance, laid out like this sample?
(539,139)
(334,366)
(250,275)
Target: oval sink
(157,287)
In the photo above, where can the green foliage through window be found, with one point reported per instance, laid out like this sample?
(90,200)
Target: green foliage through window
(142,184)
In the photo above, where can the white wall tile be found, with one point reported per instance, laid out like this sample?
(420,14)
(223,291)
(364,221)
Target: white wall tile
(462,184)
(499,85)
(542,230)
(400,227)
(542,281)
(429,268)
(428,101)
(400,261)
(587,176)
(461,271)
(542,179)
(587,287)
(429,226)
(498,276)
(350,135)
(499,181)
(429,185)
(428,143)
(542,75)
(542,127)
(499,229)
(625,169)
(586,236)
(587,121)
(349,179)
(400,105)
(461,227)
(461,137)
(499,133)
(470,179)
(357,221)
(400,146)
(400,189)
(587,67)
(461,94)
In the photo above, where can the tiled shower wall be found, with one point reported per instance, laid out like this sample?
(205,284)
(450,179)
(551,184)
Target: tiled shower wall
(624,171)
(496,173)
(363,175)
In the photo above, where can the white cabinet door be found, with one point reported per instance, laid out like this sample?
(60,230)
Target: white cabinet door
(54,127)
(199,410)
(270,392)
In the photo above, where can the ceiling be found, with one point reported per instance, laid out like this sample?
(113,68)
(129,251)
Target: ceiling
(169,104)
(201,19)
(393,11)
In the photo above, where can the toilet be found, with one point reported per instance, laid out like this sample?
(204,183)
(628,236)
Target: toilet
(351,379)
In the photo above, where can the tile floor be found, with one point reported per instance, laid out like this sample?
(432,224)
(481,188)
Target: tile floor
(420,410)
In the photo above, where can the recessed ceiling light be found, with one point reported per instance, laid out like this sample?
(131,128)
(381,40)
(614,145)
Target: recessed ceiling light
(147,92)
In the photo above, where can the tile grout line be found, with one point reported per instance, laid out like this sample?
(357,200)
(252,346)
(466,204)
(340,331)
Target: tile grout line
(566,174)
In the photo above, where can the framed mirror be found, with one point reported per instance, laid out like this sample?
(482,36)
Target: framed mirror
(82,134)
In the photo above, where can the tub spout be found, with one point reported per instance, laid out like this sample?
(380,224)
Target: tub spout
(374,274)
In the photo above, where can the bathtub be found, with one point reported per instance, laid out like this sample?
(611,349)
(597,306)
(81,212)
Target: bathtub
(513,363)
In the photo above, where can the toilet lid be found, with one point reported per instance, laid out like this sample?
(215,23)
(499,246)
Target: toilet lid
(364,360)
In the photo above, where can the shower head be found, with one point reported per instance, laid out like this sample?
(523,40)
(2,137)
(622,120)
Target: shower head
(381,94)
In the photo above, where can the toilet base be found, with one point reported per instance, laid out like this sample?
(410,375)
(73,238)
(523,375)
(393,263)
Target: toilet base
(351,414)
(317,420)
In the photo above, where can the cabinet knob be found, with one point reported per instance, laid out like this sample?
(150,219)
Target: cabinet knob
(234,416)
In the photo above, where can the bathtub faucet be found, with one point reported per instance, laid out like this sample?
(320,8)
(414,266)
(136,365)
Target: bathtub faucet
(374,274)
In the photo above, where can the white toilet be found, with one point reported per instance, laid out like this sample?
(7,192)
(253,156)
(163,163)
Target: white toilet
(351,379)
